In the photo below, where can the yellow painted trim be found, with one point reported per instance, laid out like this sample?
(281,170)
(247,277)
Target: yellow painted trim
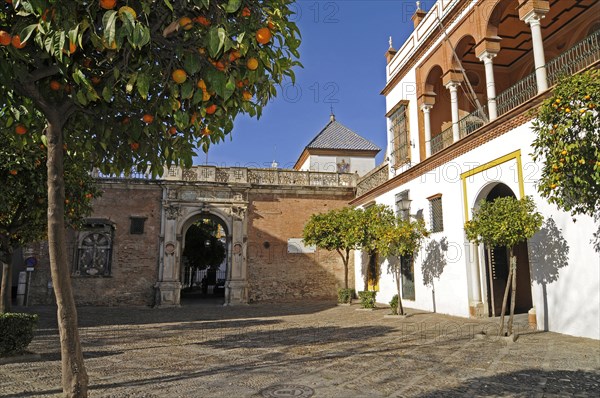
(516,155)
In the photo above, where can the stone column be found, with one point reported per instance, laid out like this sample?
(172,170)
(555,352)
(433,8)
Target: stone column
(453,87)
(533,19)
(236,290)
(476,302)
(427,124)
(168,287)
(487,58)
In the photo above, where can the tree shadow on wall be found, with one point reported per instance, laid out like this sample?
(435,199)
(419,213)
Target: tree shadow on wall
(434,263)
(548,253)
(524,383)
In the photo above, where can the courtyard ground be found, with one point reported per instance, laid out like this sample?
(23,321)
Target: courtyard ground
(303,349)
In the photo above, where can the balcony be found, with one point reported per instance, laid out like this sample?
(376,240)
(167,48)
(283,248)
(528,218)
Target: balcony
(580,56)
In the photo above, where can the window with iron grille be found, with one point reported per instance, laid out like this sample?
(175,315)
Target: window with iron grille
(137,225)
(404,214)
(94,250)
(400,140)
(436,214)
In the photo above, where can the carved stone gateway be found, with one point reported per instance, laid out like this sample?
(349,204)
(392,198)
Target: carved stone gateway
(179,213)
(223,195)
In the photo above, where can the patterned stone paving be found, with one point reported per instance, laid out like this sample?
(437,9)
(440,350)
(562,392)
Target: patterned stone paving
(302,349)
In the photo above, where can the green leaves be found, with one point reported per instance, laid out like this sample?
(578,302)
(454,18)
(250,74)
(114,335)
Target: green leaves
(233,6)
(216,40)
(506,221)
(110,68)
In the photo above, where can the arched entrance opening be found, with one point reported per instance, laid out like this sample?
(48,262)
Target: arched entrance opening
(204,258)
(497,267)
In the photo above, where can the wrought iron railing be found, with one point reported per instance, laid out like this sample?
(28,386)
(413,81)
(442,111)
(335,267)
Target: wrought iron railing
(373,179)
(576,58)
(442,140)
(473,121)
(581,55)
(517,94)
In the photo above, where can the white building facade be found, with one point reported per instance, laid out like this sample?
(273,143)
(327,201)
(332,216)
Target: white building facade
(459,95)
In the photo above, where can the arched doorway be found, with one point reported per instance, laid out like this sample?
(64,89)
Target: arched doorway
(497,267)
(204,258)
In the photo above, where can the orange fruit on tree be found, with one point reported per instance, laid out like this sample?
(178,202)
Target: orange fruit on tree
(20,129)
(186,23)
(54,85)
(96,80)
(16,42)
(172,130)
(234,55)
(220,66)
(72,47)
(13,172)
(246,12)
(179,76)
(263,35)
(134,146)
(252,63)
(211,109)
(247,95)
(108,4)
(148,118)
(202,20)
(205,96)
(89,196)
(201,85)
(271,25)
(5,38)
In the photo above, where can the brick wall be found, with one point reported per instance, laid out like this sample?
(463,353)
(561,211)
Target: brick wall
(273,273)
(134,259)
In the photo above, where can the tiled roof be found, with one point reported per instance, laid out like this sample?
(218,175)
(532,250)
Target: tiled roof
(337,136)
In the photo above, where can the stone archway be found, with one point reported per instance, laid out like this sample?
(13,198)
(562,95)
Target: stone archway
(182,206)
(495,264)
(204,261)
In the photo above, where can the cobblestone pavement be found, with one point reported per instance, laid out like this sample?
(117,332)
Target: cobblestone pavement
(301,350)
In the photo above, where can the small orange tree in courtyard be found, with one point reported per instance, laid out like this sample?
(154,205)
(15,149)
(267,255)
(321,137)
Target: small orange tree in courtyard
(506,222)
(139,84)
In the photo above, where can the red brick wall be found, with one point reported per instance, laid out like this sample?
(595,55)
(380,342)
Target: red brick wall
(275,274)
(134,259)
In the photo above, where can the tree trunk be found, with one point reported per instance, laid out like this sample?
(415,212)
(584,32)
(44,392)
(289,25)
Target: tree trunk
(400,309)
(6,287)
(513,297)
(346,259)
(505,299)
(74,375)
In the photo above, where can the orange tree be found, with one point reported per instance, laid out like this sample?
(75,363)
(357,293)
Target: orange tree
(505,221)
(568,143)
(139,84)
(339,230)
(23,198)
(401,239)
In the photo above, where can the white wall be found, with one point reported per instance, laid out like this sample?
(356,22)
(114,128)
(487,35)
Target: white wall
(360,165)
(571,303)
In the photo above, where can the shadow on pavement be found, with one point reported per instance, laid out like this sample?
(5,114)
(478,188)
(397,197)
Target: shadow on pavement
(525,383)
(195,311)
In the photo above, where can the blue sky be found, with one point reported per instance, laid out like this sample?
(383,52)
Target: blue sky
(343,47)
